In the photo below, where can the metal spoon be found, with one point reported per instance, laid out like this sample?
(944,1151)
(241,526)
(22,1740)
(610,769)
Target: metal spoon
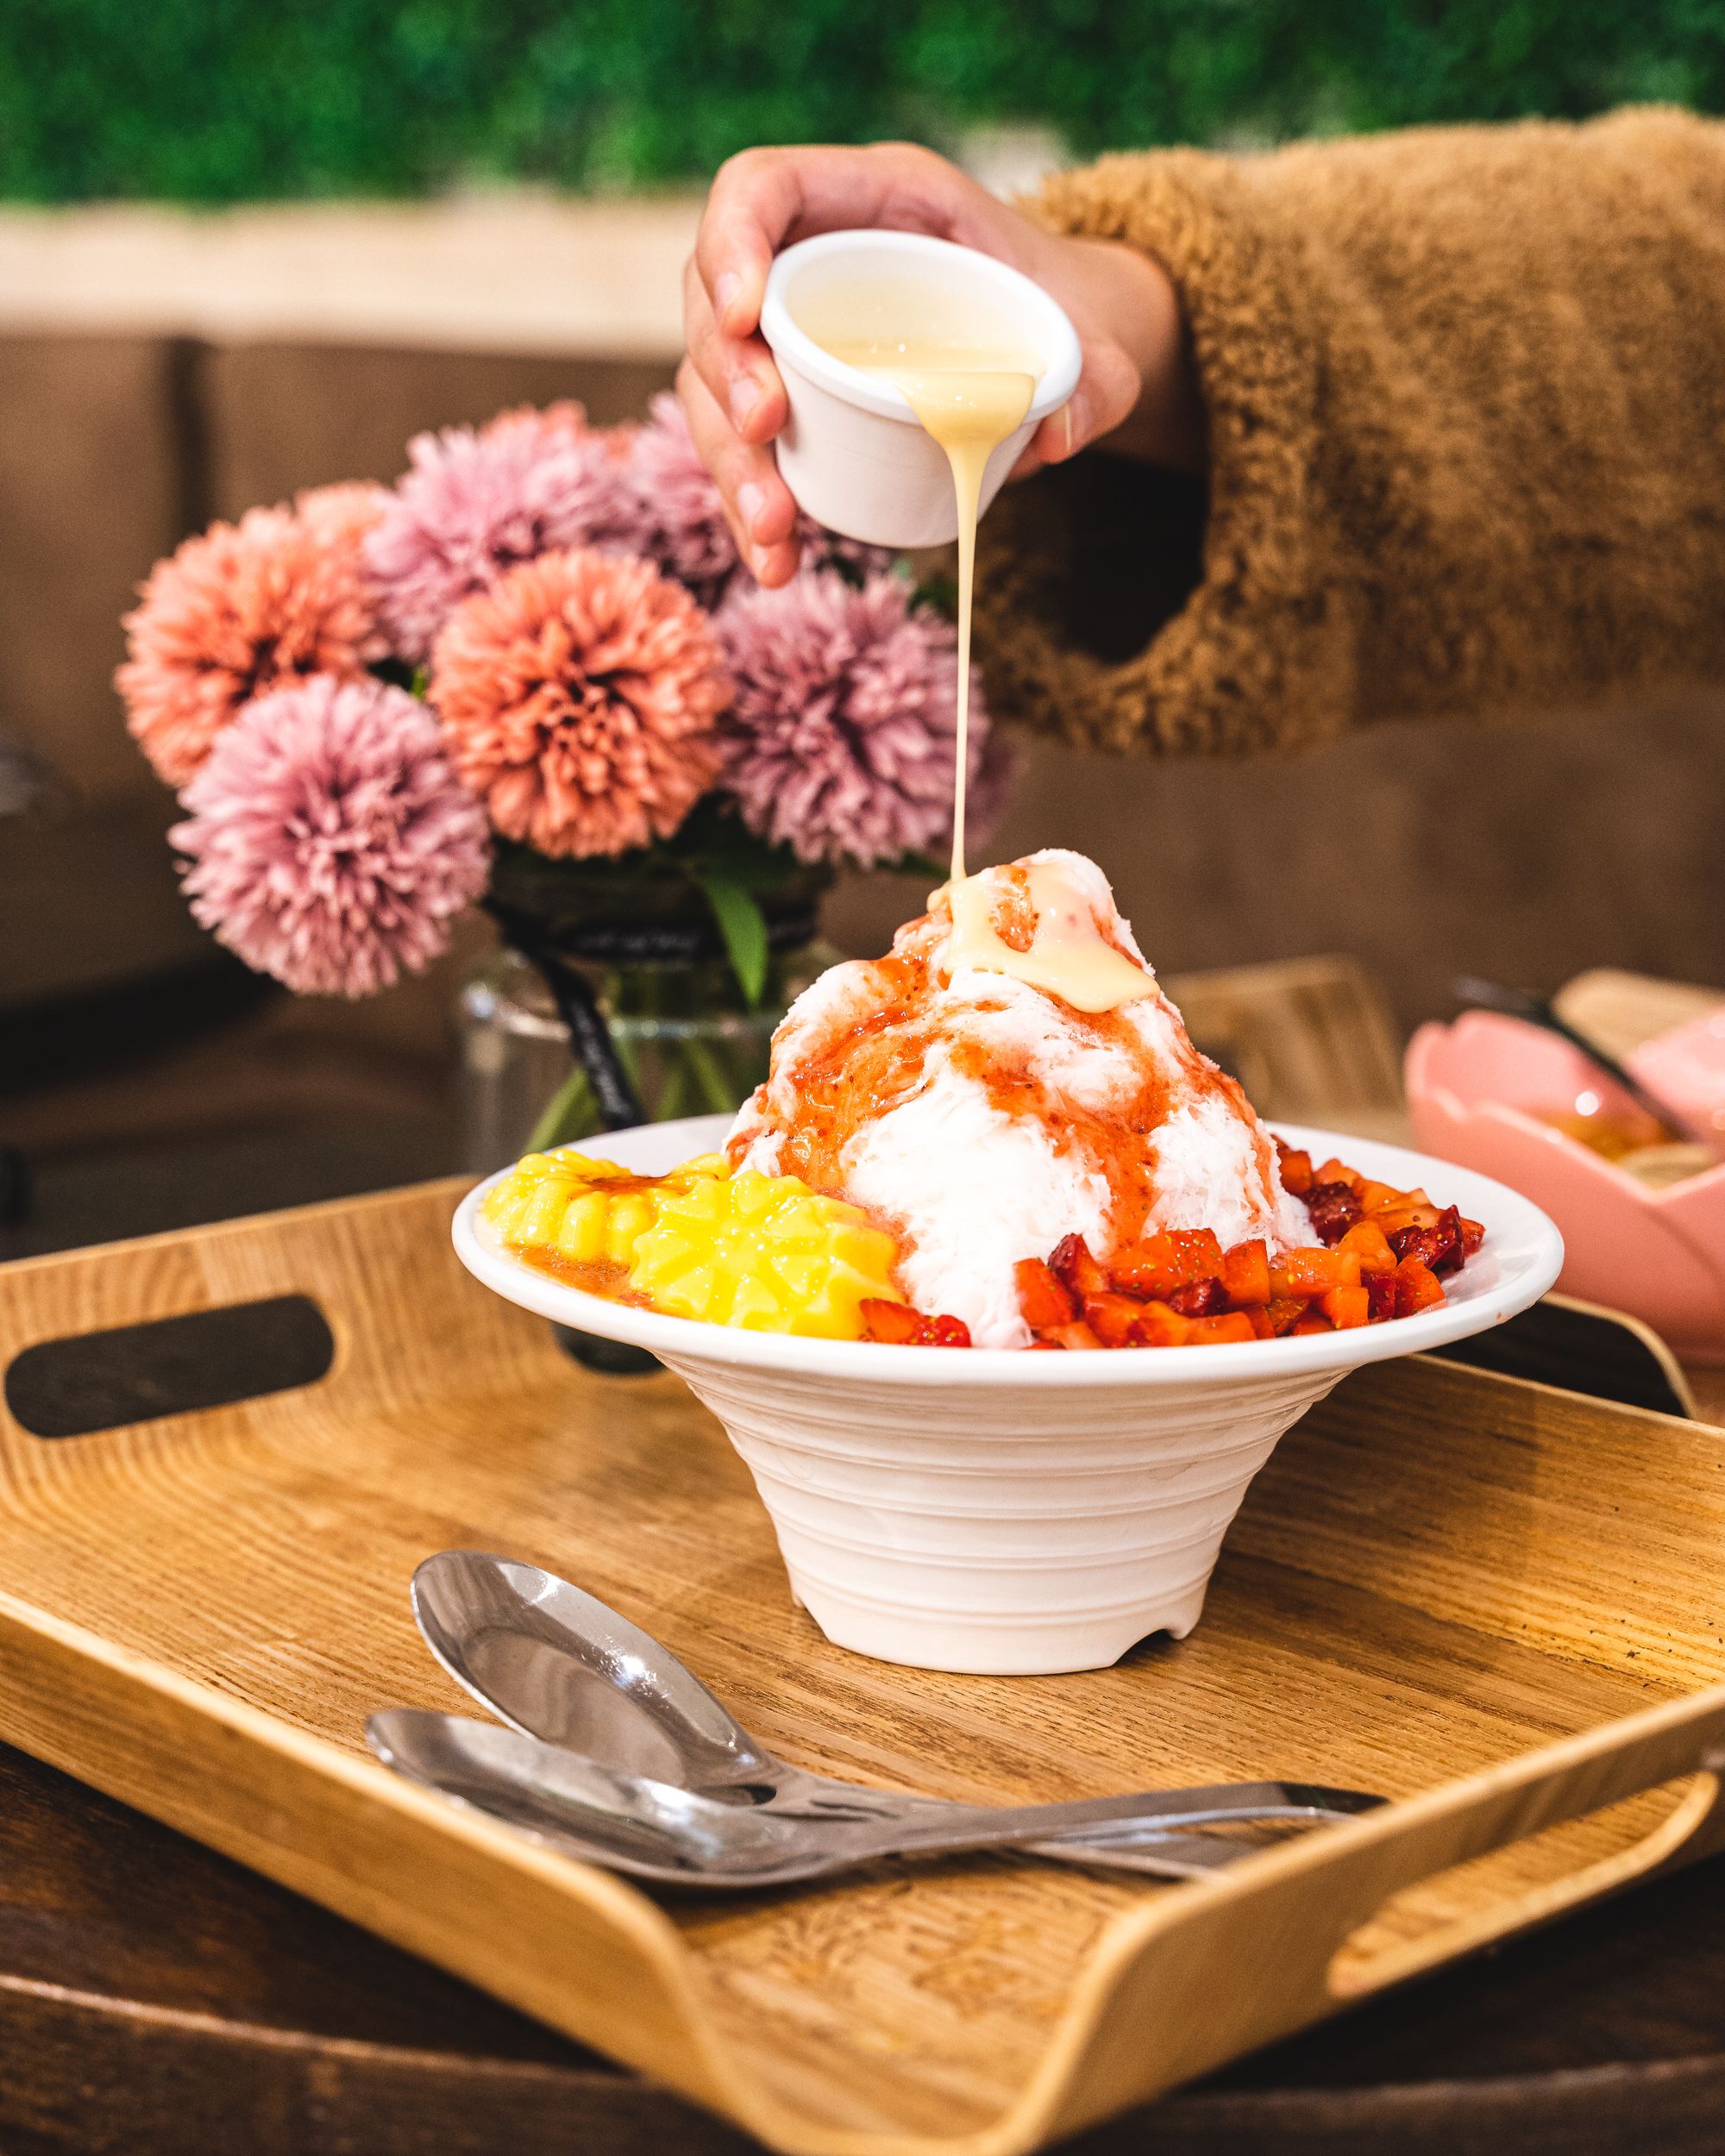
(678,1837)
(558,1664)
(1519,1003)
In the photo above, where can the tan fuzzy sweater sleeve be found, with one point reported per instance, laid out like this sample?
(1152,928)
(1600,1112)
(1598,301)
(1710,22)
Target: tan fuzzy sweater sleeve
(1466,400)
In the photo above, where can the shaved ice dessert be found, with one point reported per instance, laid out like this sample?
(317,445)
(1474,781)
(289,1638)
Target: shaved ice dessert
(998,1136)
(997,1139)
(983,1116)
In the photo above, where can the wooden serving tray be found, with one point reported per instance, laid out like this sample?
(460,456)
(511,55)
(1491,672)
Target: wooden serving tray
(1496,1602)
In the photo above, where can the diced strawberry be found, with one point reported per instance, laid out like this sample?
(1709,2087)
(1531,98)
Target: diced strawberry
(1439,1246)
(1417,1288)
(1112,1318)
(1078,1335)
(1473,1235)
(1245,1272)
(1307,1273)
(1072,1262)
(1346,1307)
(1408,1240)
(895,1324)
(1149,1269)
(1284,1311)
(1197,1249)
(1159,1326)
(1163,1262)
(1336,1171)
(1380,1296)
(1044,1299)
(1314,1321)
(1334,1209)
(1229,1326)
(1200,1299)
(1368,1245)
(1455,1244)
(1395,1219)
(1296,1170)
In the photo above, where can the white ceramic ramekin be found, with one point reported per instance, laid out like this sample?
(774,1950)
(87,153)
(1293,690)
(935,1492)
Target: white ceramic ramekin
(1008,1513)
(853,453)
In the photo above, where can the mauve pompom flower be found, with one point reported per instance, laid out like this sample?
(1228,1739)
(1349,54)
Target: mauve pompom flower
(581,700)
(476,502)
(239,610)
(673,514)
(840,739)
(328,840)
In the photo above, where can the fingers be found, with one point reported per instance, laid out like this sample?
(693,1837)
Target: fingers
(762,198)
(738,371)
(756,200)
(757,503)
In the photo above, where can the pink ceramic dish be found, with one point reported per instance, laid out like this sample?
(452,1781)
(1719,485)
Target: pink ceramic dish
(1685,1068)
(1477,1092)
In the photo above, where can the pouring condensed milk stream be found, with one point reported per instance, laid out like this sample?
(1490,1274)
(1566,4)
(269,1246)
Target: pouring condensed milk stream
(969,396)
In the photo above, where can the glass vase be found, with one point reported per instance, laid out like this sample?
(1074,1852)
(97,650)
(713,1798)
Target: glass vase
(684,1033)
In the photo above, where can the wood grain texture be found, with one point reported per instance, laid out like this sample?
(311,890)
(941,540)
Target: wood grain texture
(1311,1039)
(157,2000)
(1583,1347)
(1439,1575)
(1621,1010)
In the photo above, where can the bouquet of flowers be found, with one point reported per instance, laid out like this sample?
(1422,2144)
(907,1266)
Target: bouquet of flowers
(535,676)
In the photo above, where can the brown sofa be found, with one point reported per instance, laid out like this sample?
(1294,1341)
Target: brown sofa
(1530,852)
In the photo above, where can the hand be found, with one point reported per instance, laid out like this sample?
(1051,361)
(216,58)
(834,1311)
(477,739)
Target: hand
(1137,388)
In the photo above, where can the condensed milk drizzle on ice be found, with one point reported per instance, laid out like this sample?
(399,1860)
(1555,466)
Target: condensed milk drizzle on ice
(1068,955)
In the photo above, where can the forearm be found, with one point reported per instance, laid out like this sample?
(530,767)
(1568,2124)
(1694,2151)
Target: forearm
(1464,405)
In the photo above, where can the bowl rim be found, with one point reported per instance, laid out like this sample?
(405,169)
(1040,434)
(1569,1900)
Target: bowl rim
(788,339)
(680,1341)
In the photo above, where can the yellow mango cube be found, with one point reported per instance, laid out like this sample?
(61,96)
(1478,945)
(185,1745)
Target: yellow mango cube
(765,1253)
(560,1201)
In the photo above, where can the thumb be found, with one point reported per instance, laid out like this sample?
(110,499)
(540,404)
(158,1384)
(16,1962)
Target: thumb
(1109,387)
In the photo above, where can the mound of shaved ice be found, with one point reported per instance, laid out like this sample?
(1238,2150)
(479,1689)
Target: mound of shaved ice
(981,1118)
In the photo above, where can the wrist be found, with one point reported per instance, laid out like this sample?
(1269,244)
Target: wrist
(1137,306)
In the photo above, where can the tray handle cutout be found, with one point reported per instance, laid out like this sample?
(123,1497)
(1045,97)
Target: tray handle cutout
(1549,1802)
(82,1382)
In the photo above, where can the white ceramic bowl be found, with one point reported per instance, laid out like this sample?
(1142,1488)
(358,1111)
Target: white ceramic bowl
(853,452)
(1008,1513)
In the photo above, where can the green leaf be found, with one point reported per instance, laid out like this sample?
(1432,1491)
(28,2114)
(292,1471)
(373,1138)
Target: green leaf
(744,927)
(568,1115)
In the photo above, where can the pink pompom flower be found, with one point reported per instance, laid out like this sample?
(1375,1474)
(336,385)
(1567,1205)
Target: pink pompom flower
(840,742)
(581,700)
(239,610)
(328,840)
(478,502)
